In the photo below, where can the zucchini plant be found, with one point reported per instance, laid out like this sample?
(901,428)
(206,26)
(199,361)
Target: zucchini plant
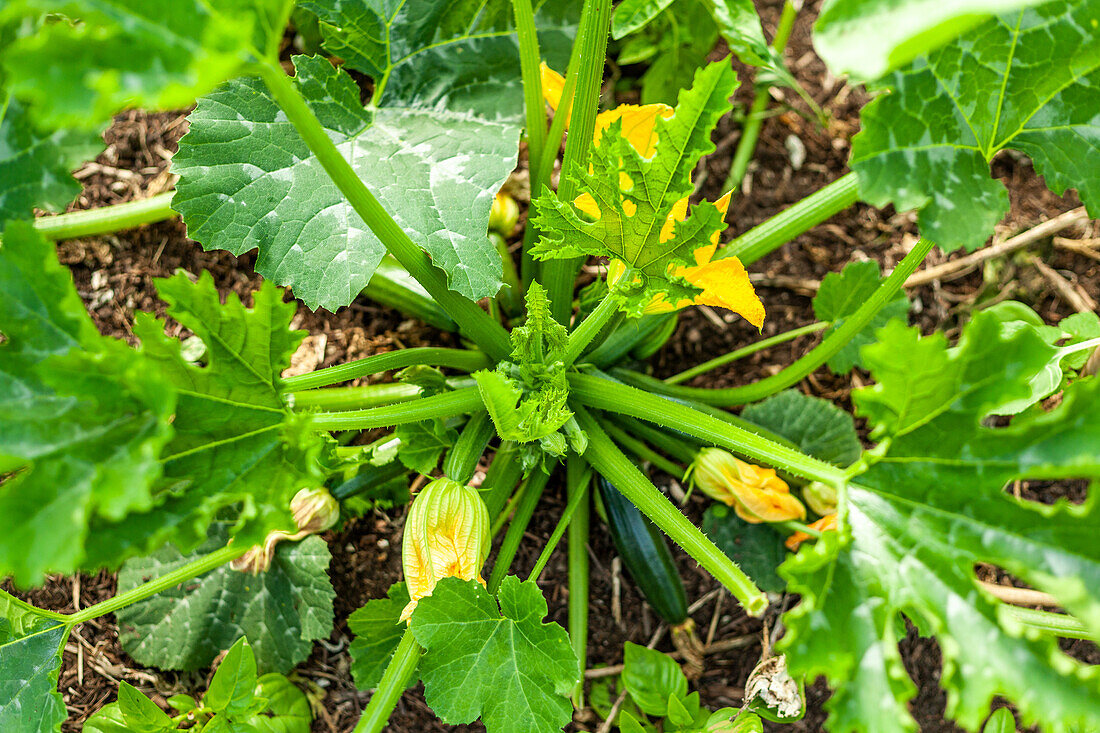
(186,468)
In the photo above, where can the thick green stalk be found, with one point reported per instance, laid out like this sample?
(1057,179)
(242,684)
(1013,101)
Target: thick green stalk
(831,344)
(744,351)
(461,359)
(623,339)
(576,483)
(794,220)
(746,146)
(394,681)
(353,398)
(640,449)
(1058,624)
(610,462)
(463,456)
(619,398)
(575,499)
(680,447)
(559,275)
(191,570)
(501,478)
(391,285)
(107,219)
(534,106)
(536,482)
(472,321)
(590,327)
(463,401)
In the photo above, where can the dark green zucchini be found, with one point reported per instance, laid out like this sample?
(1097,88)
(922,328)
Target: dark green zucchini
(645,553)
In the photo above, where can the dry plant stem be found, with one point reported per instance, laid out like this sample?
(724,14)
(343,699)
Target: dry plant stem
(1019,596)
(1024,239)
(1076,298)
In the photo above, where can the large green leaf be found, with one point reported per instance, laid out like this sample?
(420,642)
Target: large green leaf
(818,427)
(502,663)
(82,417)
(840,295)
(378,629)
(1028,81)
(236,442)
(929,509)
(461,55)
(95,57)
(633,15)
(248,180)
(30,659)
(630,224)
(281,611)
(867,38)
(35,165)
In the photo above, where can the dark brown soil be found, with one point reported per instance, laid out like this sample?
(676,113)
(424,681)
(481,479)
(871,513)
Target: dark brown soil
(114,275)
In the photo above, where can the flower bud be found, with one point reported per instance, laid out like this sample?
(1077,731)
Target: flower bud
(757,494)
(504,214)
(446,535)
(820,497)
(825,524)
(315,510)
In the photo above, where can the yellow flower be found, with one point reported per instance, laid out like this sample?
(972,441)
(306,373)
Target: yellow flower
(724,282)
(314,511)
(446,535)
(757,494)
(825,524)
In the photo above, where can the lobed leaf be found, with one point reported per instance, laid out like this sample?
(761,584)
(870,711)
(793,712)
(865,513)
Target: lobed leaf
(816,426)
(378,629)
(247,180)
(1028,81)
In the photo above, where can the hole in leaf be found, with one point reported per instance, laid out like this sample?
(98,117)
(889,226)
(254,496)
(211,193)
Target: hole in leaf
(1041,491)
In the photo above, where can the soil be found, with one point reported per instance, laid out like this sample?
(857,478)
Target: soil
(114,276)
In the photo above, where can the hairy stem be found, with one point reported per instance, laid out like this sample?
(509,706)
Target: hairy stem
(1058,624)
(461,359)
(107,219)
(472,321)
(501,478)
(463,401)
(576,483)
(353,398)
(394,681)
(575,499)
(463,456)
(640,449)
(534,107)
(744,351)
(536,482)
(590,327)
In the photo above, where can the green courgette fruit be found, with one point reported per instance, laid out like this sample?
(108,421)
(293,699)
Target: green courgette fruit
(645,553)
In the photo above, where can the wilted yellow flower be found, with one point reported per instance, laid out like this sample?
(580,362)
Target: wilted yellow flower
(821,497)
(757,494)
(446,535)
(724,282)
(825,524)
(314,510)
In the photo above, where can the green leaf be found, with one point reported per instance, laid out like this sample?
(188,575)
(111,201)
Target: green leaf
(652,679)
(289,707)
(1028,81)
(756,548)
(82,417)
(739,25)
(422,444)
(108,719)
(35,164)
(30,660)
(931,507)
(248,180)
(840,295)
(378,629)
(459,55)
(70,67)
(139,712)
(1080,327)
(236,442)
(280,611)
(1001,721)
(868,38)
(233,688)
(633,15)
(502,663)
(816,426)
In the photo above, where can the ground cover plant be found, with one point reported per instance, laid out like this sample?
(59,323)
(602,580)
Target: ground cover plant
(201,473)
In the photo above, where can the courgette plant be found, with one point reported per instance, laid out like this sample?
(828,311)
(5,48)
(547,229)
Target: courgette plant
(173,462)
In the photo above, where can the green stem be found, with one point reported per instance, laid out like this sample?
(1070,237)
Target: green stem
(510,296)
(534,106)
(679,447)
(472,321)
(577,547)
(640,449)
(463,456)
(353,398)
(461,359)
(559,275)
(610,462)
(623,339)
(463,401)
(744,351)
(1058,624)
(746,146)
(193,569)
(501,478)
(391,285)
(394,681)
(613,397)
(536,482)
(590,327)
(107,219)
(829,346)
(575,499)
(794,220)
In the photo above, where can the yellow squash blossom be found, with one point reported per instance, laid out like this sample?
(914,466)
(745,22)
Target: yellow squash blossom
(757,494)
(446,535)
(724,282)
(314,511)
(825,524)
